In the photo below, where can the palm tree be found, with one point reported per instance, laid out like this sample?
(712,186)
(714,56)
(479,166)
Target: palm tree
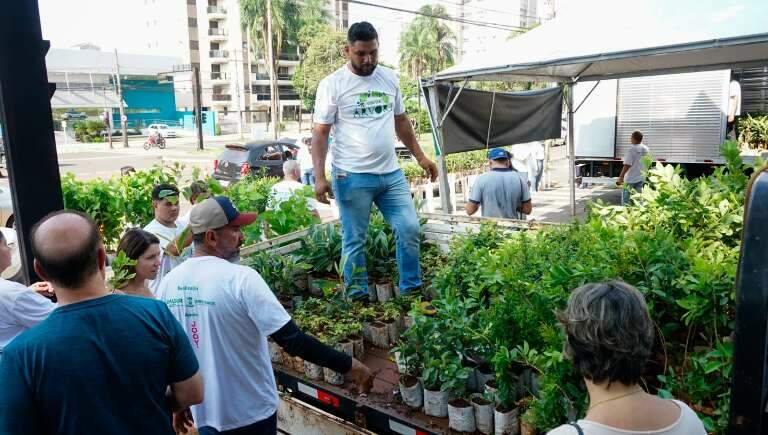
(444,37)
(270,23)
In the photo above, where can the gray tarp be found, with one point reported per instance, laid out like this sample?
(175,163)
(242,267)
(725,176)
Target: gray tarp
(518,117)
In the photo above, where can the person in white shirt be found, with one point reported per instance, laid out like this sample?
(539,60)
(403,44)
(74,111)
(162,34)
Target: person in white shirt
(538,156)
(363,104)
(20,307)
(609,339)
(524,163)
(229,312)
(305,161)
(283,190)
(632,171)
(734,108)
(167,227)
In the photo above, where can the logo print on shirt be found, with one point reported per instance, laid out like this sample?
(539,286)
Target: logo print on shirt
(195,333)
(373,104)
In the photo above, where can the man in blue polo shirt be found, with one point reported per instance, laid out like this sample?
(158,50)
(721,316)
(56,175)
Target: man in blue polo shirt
(502,192)
(101,363)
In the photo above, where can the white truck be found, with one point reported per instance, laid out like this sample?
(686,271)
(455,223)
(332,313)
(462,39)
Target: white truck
(682,118)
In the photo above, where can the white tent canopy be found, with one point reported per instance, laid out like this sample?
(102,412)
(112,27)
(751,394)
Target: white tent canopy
(613,39)
(607,39)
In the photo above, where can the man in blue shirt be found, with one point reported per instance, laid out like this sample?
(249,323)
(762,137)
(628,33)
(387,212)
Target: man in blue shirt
(100,363)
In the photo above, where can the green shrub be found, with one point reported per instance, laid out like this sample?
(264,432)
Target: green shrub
(753,130)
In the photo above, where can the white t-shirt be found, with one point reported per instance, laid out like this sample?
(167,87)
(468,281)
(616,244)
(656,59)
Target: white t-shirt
(538,150)
(166,236)
(687,424)
(283,190)
(20,309)
(228,312)
(524,162)
(304,158)
(634,158)
(734,91)
(362,111)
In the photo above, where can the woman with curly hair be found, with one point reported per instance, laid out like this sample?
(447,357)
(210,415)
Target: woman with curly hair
(609,338)
(144,249)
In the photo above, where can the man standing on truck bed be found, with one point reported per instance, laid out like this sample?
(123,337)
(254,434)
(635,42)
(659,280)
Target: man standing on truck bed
(632,172)
(364,105)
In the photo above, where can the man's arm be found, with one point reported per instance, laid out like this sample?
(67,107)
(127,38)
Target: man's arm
(624,170)
(319,153)
(407,136)
(471,207)
(186,393)
(294,341)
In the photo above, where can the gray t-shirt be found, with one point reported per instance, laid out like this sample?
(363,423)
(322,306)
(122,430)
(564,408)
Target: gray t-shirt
(500,193)
(634,159)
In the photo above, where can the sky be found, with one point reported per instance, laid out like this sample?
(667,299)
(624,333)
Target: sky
(105,23)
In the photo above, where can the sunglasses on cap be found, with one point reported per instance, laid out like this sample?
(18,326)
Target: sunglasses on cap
(169,194)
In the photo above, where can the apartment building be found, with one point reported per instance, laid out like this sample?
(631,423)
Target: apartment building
(520,14)
(207,34)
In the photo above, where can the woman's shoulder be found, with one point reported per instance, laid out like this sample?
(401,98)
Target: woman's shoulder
(689,422)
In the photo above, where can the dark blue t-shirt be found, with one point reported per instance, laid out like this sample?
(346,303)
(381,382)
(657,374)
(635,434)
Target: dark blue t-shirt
(100,366)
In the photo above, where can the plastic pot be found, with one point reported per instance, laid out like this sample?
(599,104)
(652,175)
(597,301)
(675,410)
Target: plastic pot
(372,292)
(408,321)
(345,345)
(396,290)
(484,374)
(275,354)
(435,403)
(358,347)
(483,414)
(366,332)
(393,332)
(472,384)
(313,371)
(315,286)
(380,335)
(411,391)
(461,415)
(302,283)
(333,378)
(490,389)
(505,421)
(384,291)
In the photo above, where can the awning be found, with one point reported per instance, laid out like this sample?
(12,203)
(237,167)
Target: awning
(86,99)
(482,119)
(613,39)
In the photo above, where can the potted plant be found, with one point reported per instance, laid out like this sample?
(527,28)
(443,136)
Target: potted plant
(483,406)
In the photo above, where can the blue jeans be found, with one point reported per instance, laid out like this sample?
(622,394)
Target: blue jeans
(355,192)
(625,192)
(308,177)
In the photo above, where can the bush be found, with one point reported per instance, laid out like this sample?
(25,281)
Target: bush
(753,130)
(88,131)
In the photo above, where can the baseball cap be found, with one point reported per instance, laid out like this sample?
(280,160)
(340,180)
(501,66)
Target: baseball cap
(498,154)
(216,212)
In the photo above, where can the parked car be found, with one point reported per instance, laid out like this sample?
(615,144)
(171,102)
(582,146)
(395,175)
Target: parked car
(6,208)
(237,161)
(132,131)
(71,115)
(163,129)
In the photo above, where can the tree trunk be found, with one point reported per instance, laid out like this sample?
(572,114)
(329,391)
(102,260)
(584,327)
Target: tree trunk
(301,92)
(270,63)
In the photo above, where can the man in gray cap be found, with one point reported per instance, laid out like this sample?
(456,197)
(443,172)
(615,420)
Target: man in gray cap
(229,312)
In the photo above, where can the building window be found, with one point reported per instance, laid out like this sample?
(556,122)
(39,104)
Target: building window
(192,22)
(194,45)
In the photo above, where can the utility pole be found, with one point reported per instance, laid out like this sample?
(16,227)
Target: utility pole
(123,120)
(237,88)
(196,95)
(274,95)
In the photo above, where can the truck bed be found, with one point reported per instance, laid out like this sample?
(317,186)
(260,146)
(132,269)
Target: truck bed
(380,411)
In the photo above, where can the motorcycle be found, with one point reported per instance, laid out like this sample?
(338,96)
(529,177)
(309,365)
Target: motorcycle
(155,140)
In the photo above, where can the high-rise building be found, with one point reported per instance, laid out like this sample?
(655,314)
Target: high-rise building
(518,14)
(207,34)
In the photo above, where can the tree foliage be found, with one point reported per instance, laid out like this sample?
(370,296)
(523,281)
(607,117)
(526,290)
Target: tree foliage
(427,45)
(324,54)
